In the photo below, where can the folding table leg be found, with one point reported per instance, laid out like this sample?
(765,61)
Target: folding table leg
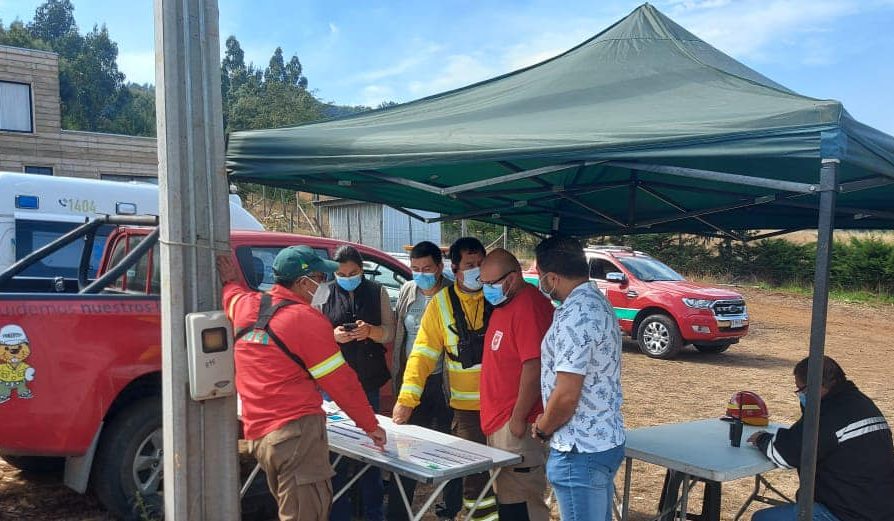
(403,495)
(428,502)
(350,483)
(250,480)
(625,505)
(769,487)
(711,503)
(684,503)
(754,493)
(670,492)
(257,469)
(616,512)
(489,484)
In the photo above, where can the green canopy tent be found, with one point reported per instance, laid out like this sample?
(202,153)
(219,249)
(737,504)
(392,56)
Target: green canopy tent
(552,148)
(643,128)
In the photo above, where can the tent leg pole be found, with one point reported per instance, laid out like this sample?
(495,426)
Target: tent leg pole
(828,196)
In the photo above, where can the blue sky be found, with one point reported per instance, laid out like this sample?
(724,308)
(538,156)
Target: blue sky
(368,52)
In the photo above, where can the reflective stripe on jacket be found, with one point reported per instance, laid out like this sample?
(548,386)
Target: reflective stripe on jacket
(433,338)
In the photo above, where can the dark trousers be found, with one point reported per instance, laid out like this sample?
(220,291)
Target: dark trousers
(372,490)
(432,413)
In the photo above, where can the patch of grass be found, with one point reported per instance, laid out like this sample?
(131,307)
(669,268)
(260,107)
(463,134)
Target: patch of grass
(839,295)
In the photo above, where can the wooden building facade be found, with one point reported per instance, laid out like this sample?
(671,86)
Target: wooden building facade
(31,136)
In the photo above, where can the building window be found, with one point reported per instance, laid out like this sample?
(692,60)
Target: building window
(15,107)
(39,170)
(129,178)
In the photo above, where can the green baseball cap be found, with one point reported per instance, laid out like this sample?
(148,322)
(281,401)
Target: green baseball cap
(297,261)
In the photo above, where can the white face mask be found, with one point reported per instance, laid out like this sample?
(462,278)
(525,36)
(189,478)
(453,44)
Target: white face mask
(321,295)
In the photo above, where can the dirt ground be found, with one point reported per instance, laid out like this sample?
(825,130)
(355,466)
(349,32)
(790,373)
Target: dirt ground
(690,387)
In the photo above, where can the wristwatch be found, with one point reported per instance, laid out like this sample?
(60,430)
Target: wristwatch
(542,435)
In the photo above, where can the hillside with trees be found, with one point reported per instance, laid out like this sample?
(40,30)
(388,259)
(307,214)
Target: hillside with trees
(97,97)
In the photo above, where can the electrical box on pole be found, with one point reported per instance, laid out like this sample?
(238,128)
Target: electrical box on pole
(209,343)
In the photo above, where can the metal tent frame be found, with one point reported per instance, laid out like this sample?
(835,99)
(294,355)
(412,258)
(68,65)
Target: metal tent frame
(781,192)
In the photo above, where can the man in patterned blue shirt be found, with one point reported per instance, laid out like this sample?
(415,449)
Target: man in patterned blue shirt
(580,380)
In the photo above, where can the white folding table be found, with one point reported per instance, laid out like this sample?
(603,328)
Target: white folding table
(698,449)
(414,452)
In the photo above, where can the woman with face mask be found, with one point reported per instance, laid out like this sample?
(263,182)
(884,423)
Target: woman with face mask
(360,312)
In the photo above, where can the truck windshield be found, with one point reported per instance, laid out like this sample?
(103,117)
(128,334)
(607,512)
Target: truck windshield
(647,269)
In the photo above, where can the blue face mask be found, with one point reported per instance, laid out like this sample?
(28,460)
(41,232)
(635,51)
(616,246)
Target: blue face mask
(493,293)
(425,281)
(802,397)
(472,279)
(349,283)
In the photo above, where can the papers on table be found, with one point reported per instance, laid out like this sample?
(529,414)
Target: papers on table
(403,447)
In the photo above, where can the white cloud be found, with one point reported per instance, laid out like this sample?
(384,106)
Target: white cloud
(700,4)
(138,67)
(373,95)
(463,69)
(537,48)
(460,70)
(785,31)
(259,54)
(420,54)
(761,29)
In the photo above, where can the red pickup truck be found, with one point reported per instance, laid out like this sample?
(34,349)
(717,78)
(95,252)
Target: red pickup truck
(660,309)
(80,360)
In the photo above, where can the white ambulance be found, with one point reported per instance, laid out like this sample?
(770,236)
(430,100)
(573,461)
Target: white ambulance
(37,209)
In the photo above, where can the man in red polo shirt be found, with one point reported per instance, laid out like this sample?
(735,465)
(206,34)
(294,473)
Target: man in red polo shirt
(510,383)
(284,350)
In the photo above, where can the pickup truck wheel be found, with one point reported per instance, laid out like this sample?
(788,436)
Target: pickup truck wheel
(36,464)
(712,349)
(659,337)
(129,459)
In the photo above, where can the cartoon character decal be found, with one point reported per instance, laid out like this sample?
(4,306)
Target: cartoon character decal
(14,372)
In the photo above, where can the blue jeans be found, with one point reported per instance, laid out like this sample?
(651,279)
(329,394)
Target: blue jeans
(372,490)
(790,513)
(583,482)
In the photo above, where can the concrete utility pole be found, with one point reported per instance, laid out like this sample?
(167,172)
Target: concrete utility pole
(201,473)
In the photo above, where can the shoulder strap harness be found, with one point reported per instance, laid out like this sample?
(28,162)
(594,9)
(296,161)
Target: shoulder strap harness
(266,310)
(470,342)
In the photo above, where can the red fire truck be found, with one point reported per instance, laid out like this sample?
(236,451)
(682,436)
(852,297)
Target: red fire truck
(80,358)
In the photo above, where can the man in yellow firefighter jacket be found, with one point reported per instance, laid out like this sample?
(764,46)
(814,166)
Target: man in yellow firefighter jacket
(454,324)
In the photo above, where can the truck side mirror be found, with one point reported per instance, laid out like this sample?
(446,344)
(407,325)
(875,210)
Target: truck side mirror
(616,276)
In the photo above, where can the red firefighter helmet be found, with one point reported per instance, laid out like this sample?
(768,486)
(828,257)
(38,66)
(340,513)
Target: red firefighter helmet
(753,409)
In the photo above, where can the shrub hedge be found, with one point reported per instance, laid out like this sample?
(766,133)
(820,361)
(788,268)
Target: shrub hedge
(858,264)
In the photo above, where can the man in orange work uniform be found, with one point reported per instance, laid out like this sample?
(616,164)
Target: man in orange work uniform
(510,383)
(284,351)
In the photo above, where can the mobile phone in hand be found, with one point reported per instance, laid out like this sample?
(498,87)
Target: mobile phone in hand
(349,326)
